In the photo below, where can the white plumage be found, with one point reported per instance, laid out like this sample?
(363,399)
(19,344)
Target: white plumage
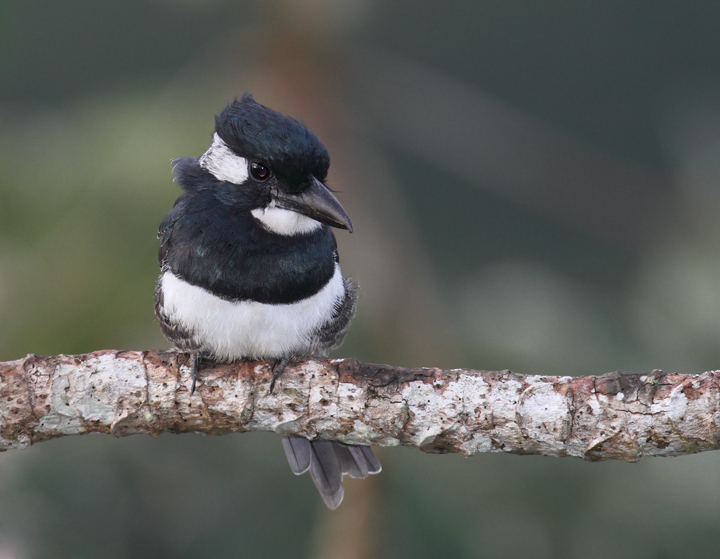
(245,329)
(223,163)
(231,198)
(285,222)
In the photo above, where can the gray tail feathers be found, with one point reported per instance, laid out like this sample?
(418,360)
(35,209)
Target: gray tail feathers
(328,461)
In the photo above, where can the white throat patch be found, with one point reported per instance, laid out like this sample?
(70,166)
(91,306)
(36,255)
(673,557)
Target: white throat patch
(224,163)
(285,222)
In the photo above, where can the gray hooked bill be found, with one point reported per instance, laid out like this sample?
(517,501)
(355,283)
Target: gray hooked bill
(316,202)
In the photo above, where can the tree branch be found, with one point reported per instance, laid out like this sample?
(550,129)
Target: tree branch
(616,415)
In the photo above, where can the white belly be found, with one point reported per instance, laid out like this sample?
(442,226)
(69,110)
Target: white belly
(247,329)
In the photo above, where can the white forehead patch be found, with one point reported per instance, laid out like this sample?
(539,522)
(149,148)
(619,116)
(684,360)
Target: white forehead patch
(285,222)
(223,163)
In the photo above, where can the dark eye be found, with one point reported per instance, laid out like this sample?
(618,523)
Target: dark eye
(259,171)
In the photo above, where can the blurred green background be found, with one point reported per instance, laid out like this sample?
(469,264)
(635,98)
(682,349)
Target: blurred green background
(535,186)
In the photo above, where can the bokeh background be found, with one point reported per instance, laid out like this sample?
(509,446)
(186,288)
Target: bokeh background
(534,185)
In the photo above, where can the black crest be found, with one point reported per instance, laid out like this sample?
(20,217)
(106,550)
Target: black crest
(260,134)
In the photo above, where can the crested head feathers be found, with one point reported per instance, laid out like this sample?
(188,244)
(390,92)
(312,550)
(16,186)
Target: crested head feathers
(261,134)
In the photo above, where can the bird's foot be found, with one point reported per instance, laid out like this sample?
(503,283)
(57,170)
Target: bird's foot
(196,359)
(277,370)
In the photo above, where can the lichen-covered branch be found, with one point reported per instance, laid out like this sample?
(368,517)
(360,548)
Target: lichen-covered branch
(616,415)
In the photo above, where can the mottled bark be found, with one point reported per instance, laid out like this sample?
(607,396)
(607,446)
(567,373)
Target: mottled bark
(616,415)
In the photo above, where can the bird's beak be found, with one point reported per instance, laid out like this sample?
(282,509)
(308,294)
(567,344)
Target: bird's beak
(316,202)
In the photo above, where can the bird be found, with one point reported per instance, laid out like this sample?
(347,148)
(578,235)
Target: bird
(249,266)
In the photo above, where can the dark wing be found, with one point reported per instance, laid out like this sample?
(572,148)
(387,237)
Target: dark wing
(176,333)
(190,177)
(169,224)
(331,334)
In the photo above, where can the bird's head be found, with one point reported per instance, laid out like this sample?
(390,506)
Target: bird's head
(277,164)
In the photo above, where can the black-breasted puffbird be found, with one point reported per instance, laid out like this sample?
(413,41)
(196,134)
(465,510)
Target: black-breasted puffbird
(249,264)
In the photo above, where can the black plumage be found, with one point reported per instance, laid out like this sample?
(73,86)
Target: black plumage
(219,246)
(250,267)
(256,132)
